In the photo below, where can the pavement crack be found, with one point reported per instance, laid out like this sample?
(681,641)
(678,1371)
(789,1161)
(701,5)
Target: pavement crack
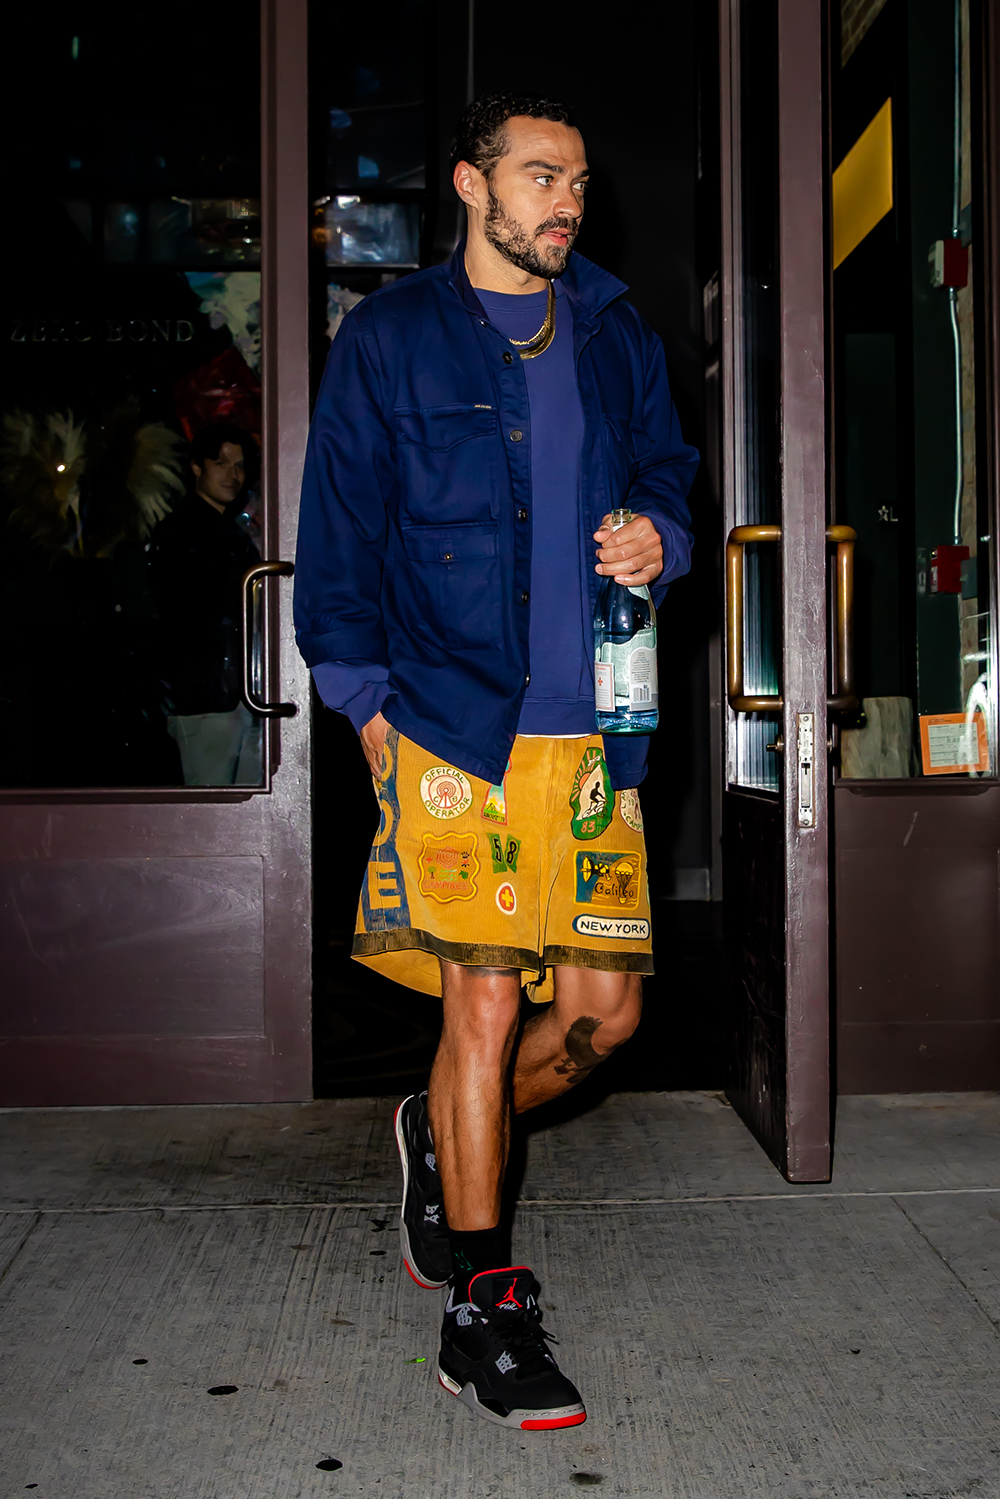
(994,1325)
(8,1266)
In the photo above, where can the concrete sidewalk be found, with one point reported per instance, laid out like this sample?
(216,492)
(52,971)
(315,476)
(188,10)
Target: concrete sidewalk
(733,1336)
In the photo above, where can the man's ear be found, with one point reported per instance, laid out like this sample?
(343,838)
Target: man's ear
(196,469)
(467,178)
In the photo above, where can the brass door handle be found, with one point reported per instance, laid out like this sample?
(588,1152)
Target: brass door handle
(738,700)
(844,699)
(255,641)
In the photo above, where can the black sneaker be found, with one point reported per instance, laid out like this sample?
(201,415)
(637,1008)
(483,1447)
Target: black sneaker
(494,1358)
(423,1229)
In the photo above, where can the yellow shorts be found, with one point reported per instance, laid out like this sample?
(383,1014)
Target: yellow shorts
(548,867)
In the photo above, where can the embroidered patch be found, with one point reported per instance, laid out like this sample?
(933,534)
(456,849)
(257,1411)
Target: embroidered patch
(504,852)
(606,879)
(448,866)
(591,798)
(495,804)
(445,792)
(507,899)
(619,928)
(628,806)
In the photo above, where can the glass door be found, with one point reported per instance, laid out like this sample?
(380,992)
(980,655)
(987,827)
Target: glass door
(774,466)
(153,408)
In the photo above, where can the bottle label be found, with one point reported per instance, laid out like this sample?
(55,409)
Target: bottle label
(604,686)
(633,684)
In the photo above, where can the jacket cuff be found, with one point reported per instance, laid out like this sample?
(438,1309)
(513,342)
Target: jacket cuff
(356,691)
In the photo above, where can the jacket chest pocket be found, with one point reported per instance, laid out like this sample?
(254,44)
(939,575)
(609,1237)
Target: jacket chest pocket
(455,575)
(447,458)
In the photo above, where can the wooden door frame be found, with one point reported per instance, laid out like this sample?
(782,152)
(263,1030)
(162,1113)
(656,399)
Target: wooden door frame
(285,381)
(801,1148)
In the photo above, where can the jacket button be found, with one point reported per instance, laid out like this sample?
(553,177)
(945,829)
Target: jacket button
(516,435)
(508,359)
(525,596)
(522,514)
(447,556)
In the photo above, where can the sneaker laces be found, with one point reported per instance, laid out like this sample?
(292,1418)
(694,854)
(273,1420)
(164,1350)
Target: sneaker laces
(527,1338)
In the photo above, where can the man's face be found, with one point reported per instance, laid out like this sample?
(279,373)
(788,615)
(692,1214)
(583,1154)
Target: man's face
(221,479)
(536,196)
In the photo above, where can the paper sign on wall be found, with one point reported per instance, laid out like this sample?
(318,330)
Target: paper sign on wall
(953,743)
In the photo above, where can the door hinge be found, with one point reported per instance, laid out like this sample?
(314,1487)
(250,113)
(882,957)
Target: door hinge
(805,769)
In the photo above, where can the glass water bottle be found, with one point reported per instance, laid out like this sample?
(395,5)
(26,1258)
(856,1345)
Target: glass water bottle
(625,687)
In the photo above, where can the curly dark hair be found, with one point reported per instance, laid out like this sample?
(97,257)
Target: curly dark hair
(480,137)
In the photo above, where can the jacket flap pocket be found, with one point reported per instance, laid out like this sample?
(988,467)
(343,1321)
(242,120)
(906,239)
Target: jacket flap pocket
(632,438)
(442,427)
(450,543)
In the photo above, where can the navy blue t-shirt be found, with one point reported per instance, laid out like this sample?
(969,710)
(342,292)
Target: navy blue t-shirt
(560,696)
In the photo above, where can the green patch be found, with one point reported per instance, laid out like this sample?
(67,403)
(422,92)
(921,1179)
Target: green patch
(592,799)
(504,852)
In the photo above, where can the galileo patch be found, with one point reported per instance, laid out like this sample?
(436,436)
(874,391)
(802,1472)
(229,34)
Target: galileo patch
(591,798)
(615,928)
(448,866)
(628,806)
(445,791)
(606,879)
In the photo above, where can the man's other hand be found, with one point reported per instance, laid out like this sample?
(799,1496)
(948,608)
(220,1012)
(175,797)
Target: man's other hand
(373,742)
(633,554)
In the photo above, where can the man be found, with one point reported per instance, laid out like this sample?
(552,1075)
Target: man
(477,424)
(197,557)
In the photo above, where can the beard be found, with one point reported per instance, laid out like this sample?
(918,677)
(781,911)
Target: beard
(523,249)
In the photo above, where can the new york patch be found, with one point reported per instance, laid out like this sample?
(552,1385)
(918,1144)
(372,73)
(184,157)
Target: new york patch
(609,880)
(591,798)
(448,866)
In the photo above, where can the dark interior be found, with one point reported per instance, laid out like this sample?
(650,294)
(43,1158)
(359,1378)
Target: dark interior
(653,221)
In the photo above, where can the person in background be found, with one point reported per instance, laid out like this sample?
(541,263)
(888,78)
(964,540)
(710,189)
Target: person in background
(197,557)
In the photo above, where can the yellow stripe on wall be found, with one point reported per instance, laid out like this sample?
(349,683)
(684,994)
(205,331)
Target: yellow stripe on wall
(862,186)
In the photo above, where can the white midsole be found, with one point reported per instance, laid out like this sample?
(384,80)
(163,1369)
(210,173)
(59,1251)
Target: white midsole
(515,1418)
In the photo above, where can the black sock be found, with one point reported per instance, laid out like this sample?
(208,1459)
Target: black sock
(482,1249)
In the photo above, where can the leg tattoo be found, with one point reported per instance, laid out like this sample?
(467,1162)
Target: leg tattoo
(580,1057)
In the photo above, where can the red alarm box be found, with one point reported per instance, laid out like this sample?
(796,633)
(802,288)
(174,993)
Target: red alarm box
(946,569)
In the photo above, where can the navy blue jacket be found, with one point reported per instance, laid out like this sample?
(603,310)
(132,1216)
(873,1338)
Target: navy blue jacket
(414,551)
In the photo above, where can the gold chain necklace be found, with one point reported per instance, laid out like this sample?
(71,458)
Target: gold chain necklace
(532,347)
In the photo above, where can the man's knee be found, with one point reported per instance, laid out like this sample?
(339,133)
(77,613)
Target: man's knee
(481,1005)
(615,1010)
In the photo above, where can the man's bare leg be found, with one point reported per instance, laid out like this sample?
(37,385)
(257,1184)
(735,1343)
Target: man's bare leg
(469,1094)
(593,1012)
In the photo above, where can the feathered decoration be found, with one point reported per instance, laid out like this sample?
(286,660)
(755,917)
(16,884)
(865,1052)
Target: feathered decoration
(132,478)
(65,490)
(41,464)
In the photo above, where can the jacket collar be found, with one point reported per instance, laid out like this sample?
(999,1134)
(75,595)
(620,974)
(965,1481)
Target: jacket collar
(588,287)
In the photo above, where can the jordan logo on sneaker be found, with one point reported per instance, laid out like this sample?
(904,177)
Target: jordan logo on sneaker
(510,1303)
